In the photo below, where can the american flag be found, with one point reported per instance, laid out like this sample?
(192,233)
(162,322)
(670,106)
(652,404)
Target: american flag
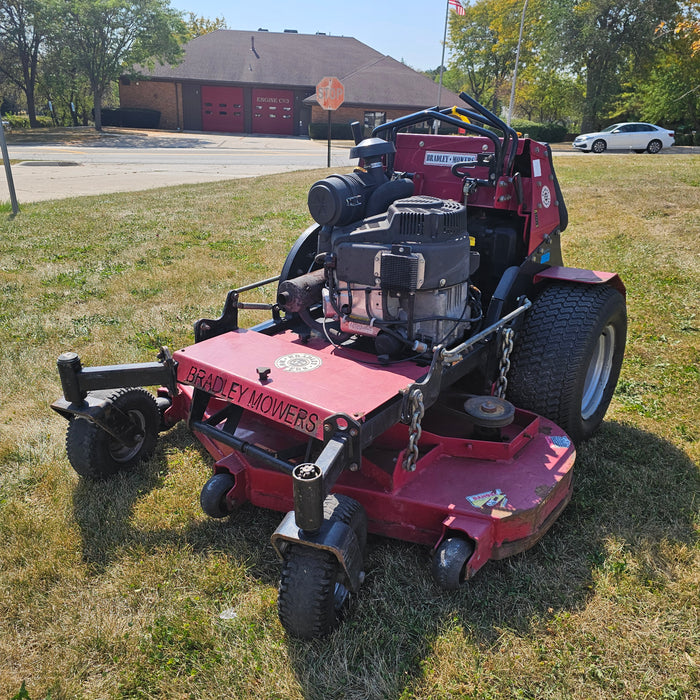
(456,5)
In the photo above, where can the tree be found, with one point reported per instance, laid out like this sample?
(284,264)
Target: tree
(24,26)
(483,45)
(197,26)
(110,37)
(606,40)
(670,93)
(64,85)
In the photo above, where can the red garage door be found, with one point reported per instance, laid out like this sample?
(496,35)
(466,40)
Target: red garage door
(222,108)
(273,112)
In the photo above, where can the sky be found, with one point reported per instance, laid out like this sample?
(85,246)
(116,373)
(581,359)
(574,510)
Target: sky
(410,31)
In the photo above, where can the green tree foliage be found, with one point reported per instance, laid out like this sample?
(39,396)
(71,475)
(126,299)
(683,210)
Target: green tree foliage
(62,83)
(24,26)
(482,43)
(606,41)
(582,62)
(197,26)
(109,37)
(670,93)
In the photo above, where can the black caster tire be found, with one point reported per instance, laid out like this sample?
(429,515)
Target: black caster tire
(567,356)
(163,403)
(313,599)
(95,454)
(449,565)
(348,511)
(213,495)
(311,602)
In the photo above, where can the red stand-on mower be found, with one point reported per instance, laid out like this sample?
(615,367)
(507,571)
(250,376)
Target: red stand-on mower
(427,368)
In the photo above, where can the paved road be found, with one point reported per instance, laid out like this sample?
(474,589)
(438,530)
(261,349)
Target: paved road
(144,160)
(137,160)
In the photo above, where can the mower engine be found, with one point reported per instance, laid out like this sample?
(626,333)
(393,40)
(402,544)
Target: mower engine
(396,267)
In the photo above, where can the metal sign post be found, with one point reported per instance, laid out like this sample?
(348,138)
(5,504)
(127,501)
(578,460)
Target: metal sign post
(330,94)
(8,170)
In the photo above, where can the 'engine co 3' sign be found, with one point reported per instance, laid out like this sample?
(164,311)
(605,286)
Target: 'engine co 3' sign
(330,93)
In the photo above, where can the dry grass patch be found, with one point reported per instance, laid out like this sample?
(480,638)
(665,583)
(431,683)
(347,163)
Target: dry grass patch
(117,589)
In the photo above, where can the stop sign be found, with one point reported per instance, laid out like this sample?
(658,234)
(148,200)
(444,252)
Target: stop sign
(330,93)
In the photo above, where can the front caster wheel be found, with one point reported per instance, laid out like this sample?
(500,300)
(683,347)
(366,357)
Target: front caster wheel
(313,598)
(213,495)
(450,562)
(94,453)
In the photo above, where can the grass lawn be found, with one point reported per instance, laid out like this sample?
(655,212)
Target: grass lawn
(116,589)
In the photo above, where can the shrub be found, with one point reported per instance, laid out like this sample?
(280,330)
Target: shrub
(21,121)
(319,130)
(551,132)
(134,117)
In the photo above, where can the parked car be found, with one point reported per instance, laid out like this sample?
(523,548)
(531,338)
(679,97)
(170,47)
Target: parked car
(635,136)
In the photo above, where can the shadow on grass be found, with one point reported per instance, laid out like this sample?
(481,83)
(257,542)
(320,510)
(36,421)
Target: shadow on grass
(630,487)
(103,511)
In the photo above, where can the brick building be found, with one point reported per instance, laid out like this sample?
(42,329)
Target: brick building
(260,82)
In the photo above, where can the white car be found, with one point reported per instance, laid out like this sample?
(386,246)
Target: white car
(635,136)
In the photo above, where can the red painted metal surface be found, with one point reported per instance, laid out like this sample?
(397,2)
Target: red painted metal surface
(222,109)
(307,382)
(581,276)
(273,112)
(431,157)
(503,495)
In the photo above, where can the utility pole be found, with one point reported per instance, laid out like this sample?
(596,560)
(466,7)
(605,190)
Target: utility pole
(517,59)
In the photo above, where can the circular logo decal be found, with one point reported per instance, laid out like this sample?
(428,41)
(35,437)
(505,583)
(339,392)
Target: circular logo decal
(298,362)
(546,197)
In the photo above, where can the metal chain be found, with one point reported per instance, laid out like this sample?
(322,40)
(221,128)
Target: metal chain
(415,431)
(504,362)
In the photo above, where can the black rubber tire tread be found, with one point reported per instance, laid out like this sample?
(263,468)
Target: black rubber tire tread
(89,448)
(306,600)
(213,495)
(653,147)
(449,562)
(553,349)
(347,510)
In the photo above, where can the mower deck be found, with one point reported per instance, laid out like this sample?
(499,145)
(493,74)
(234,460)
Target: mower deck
(502,492)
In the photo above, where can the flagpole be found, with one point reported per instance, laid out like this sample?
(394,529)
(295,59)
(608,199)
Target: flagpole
(442,60)
(515,70)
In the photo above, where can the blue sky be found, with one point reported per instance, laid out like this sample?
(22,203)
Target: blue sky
(409,31)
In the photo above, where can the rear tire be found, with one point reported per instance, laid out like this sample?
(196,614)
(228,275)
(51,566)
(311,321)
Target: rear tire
(654,146)
(95,454)
(567,356)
